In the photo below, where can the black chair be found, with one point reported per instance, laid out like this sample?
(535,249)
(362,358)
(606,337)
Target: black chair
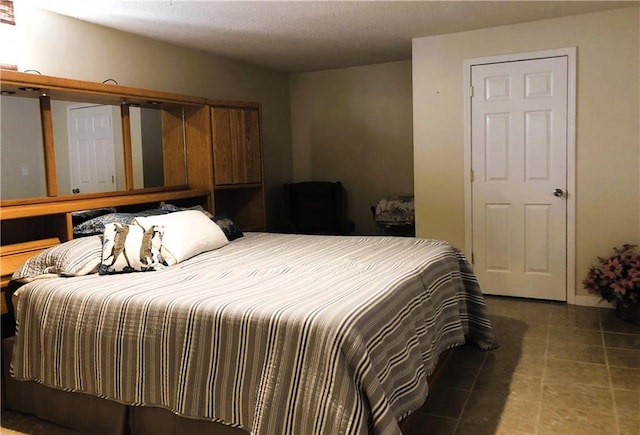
(315,207)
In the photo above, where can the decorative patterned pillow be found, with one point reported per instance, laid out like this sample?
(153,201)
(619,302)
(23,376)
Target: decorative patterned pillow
(97,225)
(186,233)
(228,227)
(131,248)
(169,207)
(172,208)
(73,258)
(78,217)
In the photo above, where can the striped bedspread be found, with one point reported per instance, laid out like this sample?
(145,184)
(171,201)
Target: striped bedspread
(274,333)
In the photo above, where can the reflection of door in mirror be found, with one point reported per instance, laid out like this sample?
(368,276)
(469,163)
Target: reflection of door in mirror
(91,148)
(21,149)
(77,116)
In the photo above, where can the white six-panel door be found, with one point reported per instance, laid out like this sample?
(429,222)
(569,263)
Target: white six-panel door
(519,164)
(91,149)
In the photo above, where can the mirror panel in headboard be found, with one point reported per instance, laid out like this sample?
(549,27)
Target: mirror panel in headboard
(21,149)
(144,130)
(88,147)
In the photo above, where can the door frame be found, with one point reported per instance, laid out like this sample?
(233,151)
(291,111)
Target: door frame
(570,53)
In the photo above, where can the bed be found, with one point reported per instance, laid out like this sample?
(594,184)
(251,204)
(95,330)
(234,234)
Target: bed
(270,334)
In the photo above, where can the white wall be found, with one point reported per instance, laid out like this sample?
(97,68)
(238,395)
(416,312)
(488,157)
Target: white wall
(354,125)
(64,47)
(607,133)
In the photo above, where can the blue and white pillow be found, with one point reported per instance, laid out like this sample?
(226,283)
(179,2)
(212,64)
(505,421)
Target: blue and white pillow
(228,227)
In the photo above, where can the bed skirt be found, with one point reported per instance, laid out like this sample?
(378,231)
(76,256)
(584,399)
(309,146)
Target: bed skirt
(92,415)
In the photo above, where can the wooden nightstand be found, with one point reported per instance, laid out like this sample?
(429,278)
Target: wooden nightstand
(11,258)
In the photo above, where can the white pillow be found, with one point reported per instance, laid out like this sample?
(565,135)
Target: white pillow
(186,233)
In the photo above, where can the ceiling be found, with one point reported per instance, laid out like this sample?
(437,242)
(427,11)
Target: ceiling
(302,36)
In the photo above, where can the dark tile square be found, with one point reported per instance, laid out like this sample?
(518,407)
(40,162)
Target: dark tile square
(445,402)
(623,341)
(623,357)
(423,424)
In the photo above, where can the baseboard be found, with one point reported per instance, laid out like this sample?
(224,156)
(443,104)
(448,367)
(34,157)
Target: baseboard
(592,301)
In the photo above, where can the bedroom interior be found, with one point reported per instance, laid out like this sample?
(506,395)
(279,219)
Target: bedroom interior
(397,127)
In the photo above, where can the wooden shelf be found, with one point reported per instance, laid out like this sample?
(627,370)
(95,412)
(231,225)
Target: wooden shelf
(49,206)
(239,186)
(78,90)
(13,256)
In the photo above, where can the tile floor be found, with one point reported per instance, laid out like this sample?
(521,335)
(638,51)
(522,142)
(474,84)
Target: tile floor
(560,370)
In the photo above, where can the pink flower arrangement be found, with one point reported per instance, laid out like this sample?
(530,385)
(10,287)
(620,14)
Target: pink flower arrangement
(616,277)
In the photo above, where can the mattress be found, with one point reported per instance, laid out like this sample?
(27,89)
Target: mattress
(272,333)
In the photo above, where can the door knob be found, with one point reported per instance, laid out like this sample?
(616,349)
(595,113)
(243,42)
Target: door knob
(558,192)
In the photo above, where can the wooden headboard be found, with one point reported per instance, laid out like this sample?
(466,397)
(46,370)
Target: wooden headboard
(214,146)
